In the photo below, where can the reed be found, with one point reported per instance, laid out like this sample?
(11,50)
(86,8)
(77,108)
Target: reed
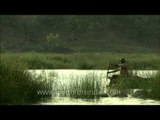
(155,86)
(84,60)
(85,87)
(17,86)
(149,87)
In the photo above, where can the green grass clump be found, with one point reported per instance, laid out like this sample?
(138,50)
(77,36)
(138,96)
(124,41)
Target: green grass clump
(17,86)
(85,87)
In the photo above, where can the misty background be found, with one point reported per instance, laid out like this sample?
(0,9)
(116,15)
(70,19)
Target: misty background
(80,33)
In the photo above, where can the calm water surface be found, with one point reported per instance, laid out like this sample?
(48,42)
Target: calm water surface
(64,75)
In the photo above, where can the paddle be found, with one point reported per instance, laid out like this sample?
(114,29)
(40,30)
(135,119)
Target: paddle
(108,70)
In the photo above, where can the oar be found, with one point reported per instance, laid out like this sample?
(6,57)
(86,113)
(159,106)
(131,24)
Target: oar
(108,70)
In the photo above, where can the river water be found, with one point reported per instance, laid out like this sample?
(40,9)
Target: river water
(65,75)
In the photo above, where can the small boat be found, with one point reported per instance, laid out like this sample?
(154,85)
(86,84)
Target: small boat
(114,77)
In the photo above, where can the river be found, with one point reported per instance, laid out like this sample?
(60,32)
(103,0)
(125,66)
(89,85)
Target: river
(65,75)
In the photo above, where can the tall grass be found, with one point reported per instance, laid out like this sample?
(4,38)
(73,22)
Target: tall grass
(84,61)
(155,87)
(85,87)
(17,86)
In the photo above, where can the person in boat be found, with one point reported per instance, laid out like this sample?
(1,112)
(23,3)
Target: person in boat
(122,67)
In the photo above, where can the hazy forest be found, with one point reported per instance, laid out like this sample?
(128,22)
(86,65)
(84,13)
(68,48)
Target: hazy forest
(80,33)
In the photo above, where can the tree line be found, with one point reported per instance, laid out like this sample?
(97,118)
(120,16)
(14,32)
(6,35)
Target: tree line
(60,32)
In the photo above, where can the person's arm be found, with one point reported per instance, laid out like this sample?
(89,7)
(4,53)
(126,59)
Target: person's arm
(116,70)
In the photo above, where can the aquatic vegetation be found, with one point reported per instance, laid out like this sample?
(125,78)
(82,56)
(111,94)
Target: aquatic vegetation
(86,87)
(21,87)
(17,86)
(149,87)
(155,86)
(84,60)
